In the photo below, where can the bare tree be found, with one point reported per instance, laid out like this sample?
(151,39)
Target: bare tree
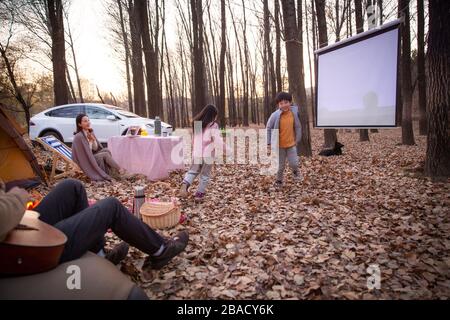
(329,134)
(198,56)
(310,63)
(136,60)
(363,133)
(421,80)
(294,54)
(127,53)
(244,71)
(55,15)
(407,128)
(267,48)
(71,44)
(211,49)
(245,78)
(278,46)
(223,49)
(231,95)
(154,96)
(437,162)
(16,91)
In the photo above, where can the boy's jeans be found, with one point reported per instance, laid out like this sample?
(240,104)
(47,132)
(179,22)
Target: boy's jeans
(291,155)
(204,169)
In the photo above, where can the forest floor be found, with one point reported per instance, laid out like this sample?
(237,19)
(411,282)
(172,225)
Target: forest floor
(314,239)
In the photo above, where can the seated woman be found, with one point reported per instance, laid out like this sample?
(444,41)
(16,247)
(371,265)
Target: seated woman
(95,161)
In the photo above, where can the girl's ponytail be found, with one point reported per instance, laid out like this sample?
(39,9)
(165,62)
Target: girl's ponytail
(206,116)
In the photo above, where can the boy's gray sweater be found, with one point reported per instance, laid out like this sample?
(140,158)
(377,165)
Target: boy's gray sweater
(274,123)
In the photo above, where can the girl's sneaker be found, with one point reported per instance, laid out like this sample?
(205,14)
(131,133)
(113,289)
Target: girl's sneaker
(199,196)
(184,190)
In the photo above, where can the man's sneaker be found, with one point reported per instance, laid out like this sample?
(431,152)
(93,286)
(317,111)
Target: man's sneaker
(184,189)
(174,246)
(199,196)
(117,254)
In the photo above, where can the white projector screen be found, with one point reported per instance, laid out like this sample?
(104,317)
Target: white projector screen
(356,81)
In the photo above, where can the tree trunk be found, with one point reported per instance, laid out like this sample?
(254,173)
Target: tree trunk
(223,50)
(330,135)
(246,69)
(278,47)
(210,72)
(75,64)
(407,128)
(266,48)
(243,67)
(154,99)
(363,133)
(55,15)
(99,95)
(310,63)
(198,54)
(421,81)
(213,61)
(170,83)
(17,92)
(380,4)
(294,54)
(136,61)
(72,97)
(232,114)
(437,162)
(127,55)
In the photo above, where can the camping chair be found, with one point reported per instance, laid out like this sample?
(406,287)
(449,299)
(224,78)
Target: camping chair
(60,152)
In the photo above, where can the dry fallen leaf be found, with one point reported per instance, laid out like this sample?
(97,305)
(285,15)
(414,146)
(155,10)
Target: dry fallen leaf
(314,239)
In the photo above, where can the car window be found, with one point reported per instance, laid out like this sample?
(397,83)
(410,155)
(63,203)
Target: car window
(66,112)
(127,114)
(97,113)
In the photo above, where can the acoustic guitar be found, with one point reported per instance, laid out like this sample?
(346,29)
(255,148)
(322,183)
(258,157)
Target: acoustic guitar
(32,247)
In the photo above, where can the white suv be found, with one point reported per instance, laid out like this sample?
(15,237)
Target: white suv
(106,120)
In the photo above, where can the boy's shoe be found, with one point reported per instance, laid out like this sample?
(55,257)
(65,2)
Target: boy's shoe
(184,189)
(278,184)
(117,254)
(199,196)
(174,246)
(298,177)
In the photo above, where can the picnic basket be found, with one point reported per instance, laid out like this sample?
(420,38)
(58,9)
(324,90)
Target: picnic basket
(160,215)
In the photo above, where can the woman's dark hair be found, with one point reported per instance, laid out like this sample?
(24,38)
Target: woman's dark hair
(281,96)
(78,120)
(206,116)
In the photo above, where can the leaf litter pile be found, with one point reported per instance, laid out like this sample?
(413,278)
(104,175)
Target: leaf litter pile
(313,239)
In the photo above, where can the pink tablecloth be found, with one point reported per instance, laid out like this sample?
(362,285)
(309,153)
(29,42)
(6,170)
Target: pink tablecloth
(152,156)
